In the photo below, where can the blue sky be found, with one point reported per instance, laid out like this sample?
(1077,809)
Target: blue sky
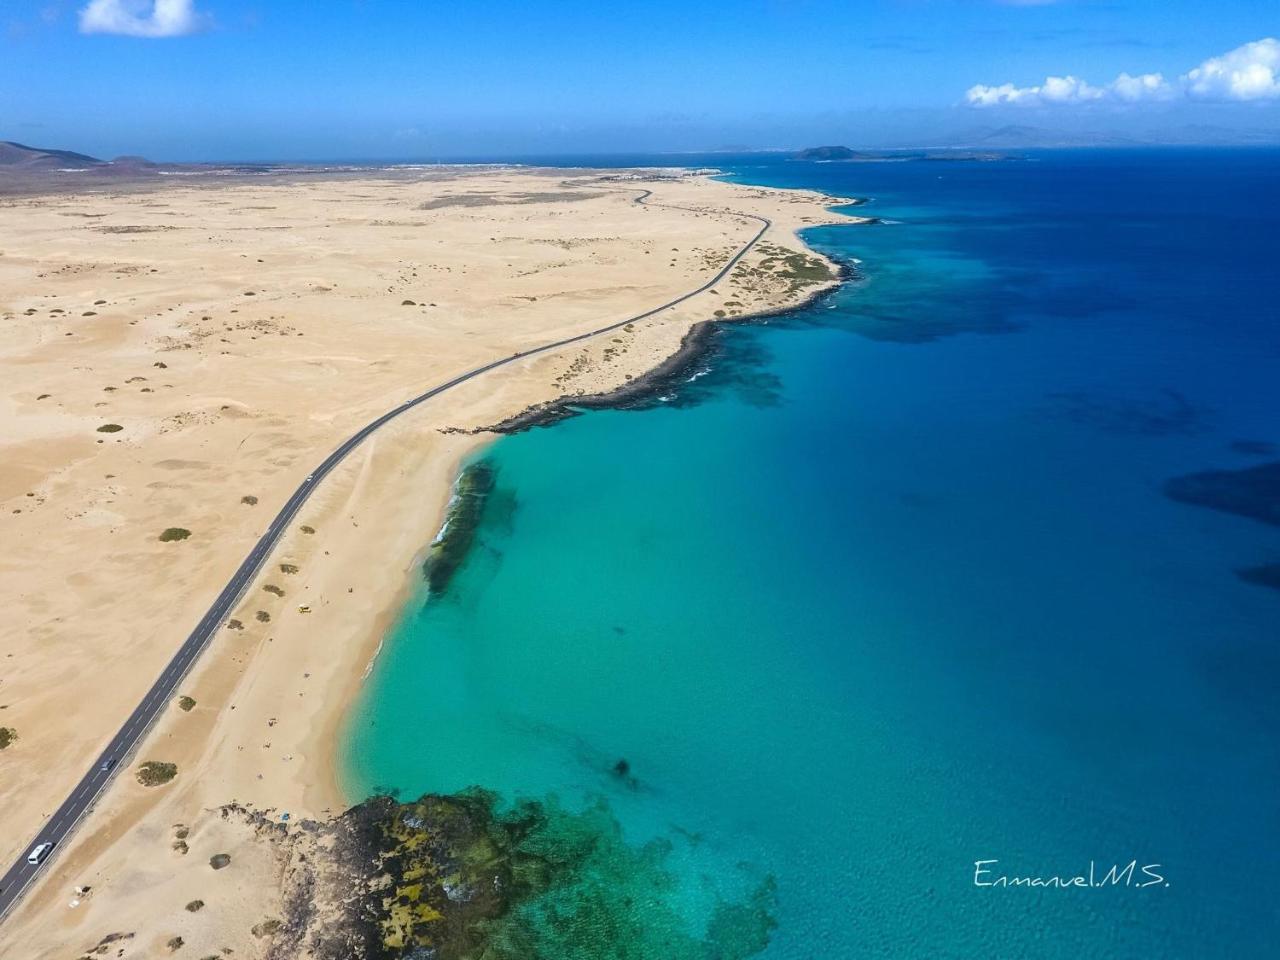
(328,79)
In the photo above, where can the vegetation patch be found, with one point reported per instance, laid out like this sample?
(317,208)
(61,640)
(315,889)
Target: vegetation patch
(110,428)
(272,588)
(249,499)
(220,860)
(195,906)
(262,616)
(7,736)
(174,533)
(289,568)
(267,928)
(153,773)
(186,704)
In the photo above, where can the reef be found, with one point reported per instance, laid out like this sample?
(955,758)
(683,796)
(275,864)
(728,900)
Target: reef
(466,508)
(1253,492)
(462,877)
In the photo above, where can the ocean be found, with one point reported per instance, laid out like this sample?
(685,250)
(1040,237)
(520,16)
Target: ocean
(921,586)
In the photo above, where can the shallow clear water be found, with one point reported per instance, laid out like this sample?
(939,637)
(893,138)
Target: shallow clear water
(894,588)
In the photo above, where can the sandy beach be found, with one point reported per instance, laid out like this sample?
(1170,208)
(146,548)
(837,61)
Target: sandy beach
(178,358)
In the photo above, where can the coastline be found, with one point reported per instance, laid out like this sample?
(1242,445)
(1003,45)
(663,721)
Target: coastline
(375,517)
(696,348)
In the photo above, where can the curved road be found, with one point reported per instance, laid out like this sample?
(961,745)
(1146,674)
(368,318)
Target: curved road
(59,827)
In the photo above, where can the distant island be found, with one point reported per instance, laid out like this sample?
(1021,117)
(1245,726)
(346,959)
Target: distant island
(834,154)
(829,153)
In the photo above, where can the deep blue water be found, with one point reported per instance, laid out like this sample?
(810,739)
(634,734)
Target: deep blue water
(895,588)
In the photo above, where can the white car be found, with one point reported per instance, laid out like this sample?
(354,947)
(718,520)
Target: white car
(38,853)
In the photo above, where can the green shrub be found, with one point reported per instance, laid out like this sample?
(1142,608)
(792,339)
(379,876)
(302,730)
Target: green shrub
(174,533)
(266,928)
(155,772)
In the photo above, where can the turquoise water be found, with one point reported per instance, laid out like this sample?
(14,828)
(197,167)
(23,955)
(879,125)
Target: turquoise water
(893,587)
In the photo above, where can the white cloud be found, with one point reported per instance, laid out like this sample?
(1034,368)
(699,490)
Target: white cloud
(142,18)
(1059,90)
(1250,72)
(1146,86)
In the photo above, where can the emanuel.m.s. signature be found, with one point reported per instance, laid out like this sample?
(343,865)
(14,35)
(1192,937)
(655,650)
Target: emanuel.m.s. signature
(985,874)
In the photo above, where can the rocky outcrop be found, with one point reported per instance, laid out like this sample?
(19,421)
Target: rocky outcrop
(463,877)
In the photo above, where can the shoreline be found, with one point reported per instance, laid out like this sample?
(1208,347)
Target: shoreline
(697,348)
(356,556)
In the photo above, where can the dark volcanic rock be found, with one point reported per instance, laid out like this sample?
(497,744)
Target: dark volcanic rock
(1253,492)
(466,508)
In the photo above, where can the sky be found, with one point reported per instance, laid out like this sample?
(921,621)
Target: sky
(413,79)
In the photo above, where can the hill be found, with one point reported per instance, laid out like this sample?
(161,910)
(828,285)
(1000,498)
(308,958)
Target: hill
(20,155)
(828,153)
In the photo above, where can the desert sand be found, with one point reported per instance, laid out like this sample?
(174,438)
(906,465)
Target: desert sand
(181,356)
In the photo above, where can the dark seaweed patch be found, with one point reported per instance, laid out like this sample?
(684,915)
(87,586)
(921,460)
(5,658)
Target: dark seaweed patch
(1253,448)
(1253,492)
(1267,575)
(1169,413)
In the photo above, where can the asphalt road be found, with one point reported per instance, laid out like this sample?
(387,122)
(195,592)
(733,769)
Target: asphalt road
(117,753)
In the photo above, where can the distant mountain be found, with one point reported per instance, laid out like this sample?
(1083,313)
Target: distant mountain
(1024,137)
(1209,135)
(20,155)
(847,154)
(1021,136)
